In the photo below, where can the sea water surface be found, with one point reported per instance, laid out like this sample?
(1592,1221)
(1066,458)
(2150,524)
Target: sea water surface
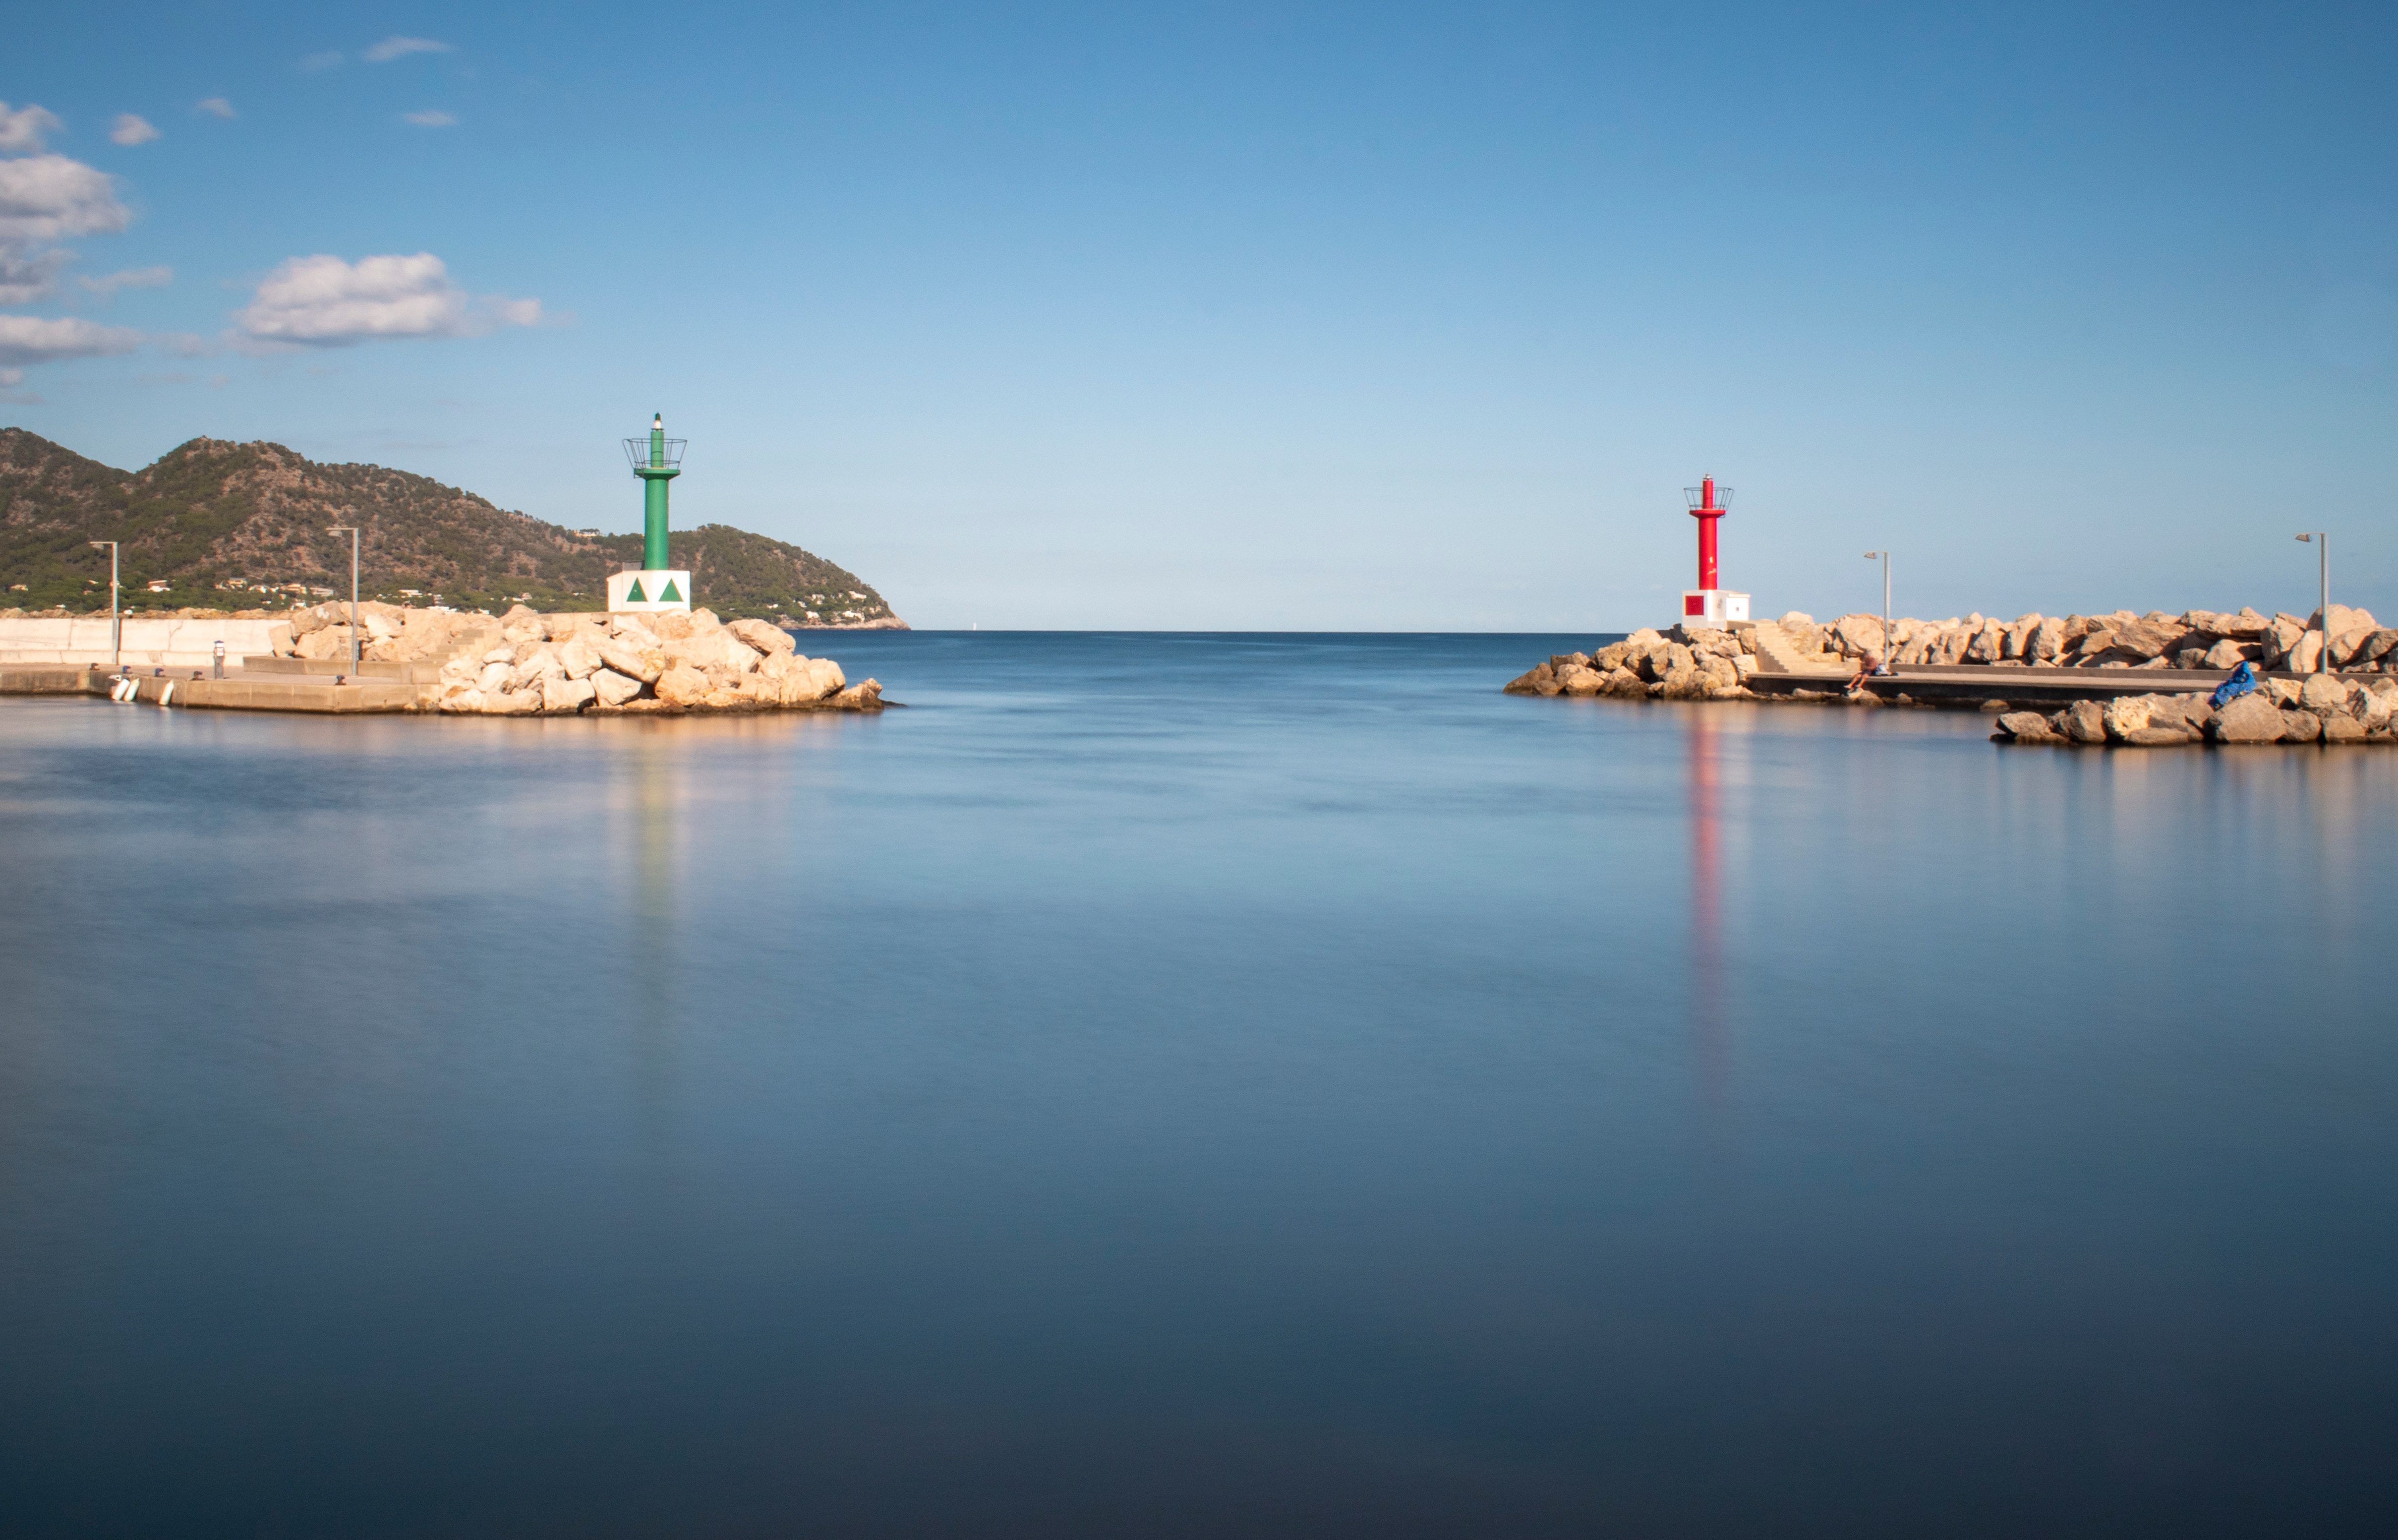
(1173,1085)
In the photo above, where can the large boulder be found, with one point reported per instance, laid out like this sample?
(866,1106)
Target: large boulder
(1684,683)
(1626,683)
(2323,695)
(612,688)
(865,696)
(2159,736)
(2127,714)
(2047,639)
(2024,727)
(2227,654)
(560,693)
(2300,726)
(2344,729)
(579,657)
(2085,721)
(1538,681)
(1574,680)
(2251,719)
(764,636)
(642,663)
(684,685)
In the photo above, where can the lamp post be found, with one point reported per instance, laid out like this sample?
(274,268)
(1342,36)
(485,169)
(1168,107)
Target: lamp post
(115,624)
(1889,646)
(2322,543)
(352,530)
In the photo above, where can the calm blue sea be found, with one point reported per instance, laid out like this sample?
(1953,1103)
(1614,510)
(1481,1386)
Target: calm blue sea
(1185,1085)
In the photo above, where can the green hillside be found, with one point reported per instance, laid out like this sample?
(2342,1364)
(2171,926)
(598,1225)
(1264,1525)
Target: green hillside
(216,523)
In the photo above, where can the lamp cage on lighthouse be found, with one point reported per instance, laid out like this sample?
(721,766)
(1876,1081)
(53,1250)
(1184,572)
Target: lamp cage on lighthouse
(654,586)
(1710,603)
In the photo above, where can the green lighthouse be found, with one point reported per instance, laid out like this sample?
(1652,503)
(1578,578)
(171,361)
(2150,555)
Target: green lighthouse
(656,460)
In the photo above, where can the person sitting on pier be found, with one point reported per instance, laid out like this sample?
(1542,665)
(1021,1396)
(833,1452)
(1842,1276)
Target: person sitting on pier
(1868,667)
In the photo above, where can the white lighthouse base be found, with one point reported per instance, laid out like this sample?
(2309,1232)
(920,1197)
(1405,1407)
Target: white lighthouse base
(1713,607)
(649,592)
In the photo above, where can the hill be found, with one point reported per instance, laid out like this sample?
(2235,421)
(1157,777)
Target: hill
(217,523)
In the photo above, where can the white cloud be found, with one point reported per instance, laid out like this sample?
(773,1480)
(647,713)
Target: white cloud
(26,276)
(215,106)
(430,120)
(325,302)
(131,129)
(23,128)
(12,376)
(33,340)
(400,48)
(325,60)
(43,197)
(107,284)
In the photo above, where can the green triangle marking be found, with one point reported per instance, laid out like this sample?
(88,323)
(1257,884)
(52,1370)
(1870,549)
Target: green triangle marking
(634,595)
(670,597)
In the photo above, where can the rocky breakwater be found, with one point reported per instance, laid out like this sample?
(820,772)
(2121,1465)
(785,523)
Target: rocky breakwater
(566,664)
(1646,664)
(2315,708)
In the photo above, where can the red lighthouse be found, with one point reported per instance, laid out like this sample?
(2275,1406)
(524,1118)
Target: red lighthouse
(1709,604)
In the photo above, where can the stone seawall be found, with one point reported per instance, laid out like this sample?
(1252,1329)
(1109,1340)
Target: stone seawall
(1980,663)
(173,642)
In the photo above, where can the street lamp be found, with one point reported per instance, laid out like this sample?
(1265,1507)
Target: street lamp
(2322,543)
(1888,644)
(352,530)
(116,625)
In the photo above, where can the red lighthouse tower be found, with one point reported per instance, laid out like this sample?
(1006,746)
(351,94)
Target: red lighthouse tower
(1708,605)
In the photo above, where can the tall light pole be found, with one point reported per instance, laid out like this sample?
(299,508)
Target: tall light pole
(352,530)
(1889,646)
(2322,543)
(116,625)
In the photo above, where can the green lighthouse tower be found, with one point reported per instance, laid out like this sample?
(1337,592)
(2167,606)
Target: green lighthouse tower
(655,586)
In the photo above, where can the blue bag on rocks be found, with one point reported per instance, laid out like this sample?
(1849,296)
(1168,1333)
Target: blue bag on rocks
(2242,680)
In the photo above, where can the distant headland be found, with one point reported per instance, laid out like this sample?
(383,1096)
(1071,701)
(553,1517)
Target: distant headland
(226,528)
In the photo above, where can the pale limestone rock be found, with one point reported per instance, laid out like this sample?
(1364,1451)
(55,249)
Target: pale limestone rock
(1983,646)
(2159,736)
(464,702)
(2343,729)
(2126,715)
(723,699)
(612,688)
(578,659)
(304,621)
(642,663)
(1576,681)
(2300,726)
(1644,637)
(2026,727)
(2307,654)
(1858,635)
(2251,719)
(1685,684)
(2047,640)
(512,703)
(2226,655)
(1722,677)
(2323,694)
(2085,721)
(671,626)
(534,667)
(683,685)
(495,677)
(763,635)
(865,696)
(562,693)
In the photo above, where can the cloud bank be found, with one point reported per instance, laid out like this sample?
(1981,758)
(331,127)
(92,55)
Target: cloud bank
(323,302)
(33,340)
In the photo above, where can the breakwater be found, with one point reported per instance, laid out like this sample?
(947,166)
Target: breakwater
(522,663)
(2122,678)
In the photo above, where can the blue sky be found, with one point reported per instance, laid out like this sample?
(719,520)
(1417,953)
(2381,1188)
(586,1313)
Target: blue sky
(1274,317)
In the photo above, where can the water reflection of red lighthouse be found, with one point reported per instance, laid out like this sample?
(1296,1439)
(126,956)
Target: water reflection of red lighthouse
(1707,1025)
